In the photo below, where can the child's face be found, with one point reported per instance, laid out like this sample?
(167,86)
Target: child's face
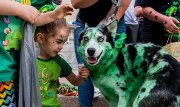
(54,44)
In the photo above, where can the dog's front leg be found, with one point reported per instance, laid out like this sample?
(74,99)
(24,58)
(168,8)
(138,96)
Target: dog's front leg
(122,101)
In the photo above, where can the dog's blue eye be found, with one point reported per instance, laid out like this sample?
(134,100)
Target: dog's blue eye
(100,39)
(86,39)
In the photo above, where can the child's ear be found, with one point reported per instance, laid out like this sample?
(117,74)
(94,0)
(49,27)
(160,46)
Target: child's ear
(40,38)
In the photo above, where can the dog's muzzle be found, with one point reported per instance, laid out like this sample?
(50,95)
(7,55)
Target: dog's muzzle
(91,58)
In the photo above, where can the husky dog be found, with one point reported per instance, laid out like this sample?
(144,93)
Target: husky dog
(132,75)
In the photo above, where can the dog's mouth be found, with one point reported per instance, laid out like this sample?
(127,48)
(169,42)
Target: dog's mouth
(93,60)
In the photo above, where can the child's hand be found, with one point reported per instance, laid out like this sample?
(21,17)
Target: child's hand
(84,72)
(169,24)
(29,13)
(61,11)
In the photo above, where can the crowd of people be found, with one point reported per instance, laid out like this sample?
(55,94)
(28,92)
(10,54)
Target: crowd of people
(142,21)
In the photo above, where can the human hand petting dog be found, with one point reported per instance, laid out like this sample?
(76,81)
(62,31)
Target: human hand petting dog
(84,72)
(76,80)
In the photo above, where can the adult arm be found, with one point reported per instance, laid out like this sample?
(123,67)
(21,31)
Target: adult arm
(9,8)
(121,10)
(168,22)
(12,8)
(138,11)
(82,3)
(31,14)
(58,13)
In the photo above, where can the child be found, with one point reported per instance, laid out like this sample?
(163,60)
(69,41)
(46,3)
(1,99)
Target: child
(13,15)
(51,38)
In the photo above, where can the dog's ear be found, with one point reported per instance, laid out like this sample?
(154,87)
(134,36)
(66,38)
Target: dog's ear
(81,34)
(80,37)
(110,24)
(112,27)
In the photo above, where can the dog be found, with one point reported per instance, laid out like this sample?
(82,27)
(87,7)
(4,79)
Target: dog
(130,75)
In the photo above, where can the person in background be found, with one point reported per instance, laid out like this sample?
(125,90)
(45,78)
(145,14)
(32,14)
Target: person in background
(144,24)
(51,38)
(91,13)
(164,15)
(13,15)
(131,24)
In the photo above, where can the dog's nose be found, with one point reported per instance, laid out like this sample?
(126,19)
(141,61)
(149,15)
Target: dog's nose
(91,51)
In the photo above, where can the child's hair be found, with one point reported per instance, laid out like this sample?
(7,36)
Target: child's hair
(49,29)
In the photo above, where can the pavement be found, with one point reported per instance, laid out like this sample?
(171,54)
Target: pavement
(69,55)
(71,101)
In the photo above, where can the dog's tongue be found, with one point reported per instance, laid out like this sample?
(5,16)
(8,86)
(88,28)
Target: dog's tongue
(92,60)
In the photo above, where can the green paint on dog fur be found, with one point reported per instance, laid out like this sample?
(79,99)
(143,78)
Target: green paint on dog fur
(142,70)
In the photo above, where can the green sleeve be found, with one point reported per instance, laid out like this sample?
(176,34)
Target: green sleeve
(65,67)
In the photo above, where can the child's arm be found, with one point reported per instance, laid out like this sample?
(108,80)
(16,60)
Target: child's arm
(12,8)
(77,80)
(168,22)
(58,13)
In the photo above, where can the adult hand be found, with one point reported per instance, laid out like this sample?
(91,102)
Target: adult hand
(169,24)
(61,11)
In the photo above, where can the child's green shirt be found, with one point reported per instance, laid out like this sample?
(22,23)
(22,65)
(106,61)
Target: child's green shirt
(48,73)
